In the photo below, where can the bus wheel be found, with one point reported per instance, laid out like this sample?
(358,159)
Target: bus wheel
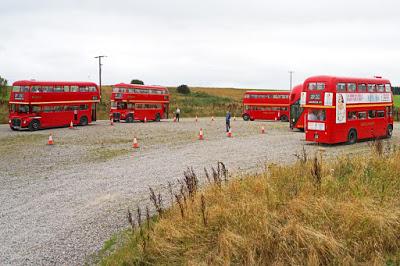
(158,117)
(129,119)
(389,131)
(352,136)
(34,125)
(83,121)
(284,118)
(246,117)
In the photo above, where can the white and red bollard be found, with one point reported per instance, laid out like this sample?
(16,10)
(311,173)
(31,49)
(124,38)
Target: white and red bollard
(201,137)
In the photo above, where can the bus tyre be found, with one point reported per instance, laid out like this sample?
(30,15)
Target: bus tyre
(389,131)
(246,117)
(284,118)
(83,121)
(34,125)
(129,119)
(158,117)
(352,136)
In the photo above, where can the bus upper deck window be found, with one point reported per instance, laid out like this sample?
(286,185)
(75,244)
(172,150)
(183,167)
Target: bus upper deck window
(351,87)
(312,86)
(316,86)
(341,87)
(320,86)
(381,88)
(371,88)
(362,88)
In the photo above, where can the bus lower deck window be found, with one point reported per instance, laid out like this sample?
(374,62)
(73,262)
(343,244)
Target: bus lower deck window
(371,114)
(362,115)
(316,115)
(380,114)
(352,116)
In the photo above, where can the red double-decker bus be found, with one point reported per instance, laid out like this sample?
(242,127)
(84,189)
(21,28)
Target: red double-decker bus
(296,111)
(347,109)
(44,104)
(131,102)
(266,105)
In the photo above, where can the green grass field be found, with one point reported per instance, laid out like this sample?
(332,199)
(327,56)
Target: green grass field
(397,101)
(315,212)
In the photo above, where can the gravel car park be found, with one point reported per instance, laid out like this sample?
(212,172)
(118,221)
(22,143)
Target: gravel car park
(60,202)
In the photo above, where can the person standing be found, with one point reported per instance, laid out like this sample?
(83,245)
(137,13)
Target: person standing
(228,121)
(177,113)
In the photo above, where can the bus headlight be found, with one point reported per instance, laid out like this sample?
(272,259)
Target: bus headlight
(9,121)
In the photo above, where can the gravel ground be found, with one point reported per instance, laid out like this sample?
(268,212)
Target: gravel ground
(60,203)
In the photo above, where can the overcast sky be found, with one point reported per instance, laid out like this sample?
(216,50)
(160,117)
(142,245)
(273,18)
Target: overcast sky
(224,43)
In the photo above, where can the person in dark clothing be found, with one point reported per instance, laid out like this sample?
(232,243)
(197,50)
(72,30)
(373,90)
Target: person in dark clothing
(177,113)
(228,121)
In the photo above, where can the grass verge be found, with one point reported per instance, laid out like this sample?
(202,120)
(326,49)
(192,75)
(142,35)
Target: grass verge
(397,101)
(344,211)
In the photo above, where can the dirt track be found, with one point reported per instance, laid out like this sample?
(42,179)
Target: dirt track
(59,203)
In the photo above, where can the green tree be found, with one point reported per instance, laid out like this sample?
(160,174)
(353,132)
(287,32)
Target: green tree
(183,89)
(137,81)
(3,89)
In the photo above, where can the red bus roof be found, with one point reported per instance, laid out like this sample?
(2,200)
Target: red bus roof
(267,92)
(346,79)
(52,83)
(138,86)
(295,93)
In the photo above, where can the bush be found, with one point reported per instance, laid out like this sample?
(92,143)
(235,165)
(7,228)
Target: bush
(137,81)
(183,89)
(3,89)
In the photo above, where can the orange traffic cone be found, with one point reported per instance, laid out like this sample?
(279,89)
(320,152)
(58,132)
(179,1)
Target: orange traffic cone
(262,130)
(201,134)
(71,125)
(229,133)
(135,143)
(50,142)
(212,118)
(111,121)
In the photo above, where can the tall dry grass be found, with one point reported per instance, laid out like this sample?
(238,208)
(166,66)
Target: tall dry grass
(314,212)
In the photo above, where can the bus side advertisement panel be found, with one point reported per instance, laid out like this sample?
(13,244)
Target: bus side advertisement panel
(353,98)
